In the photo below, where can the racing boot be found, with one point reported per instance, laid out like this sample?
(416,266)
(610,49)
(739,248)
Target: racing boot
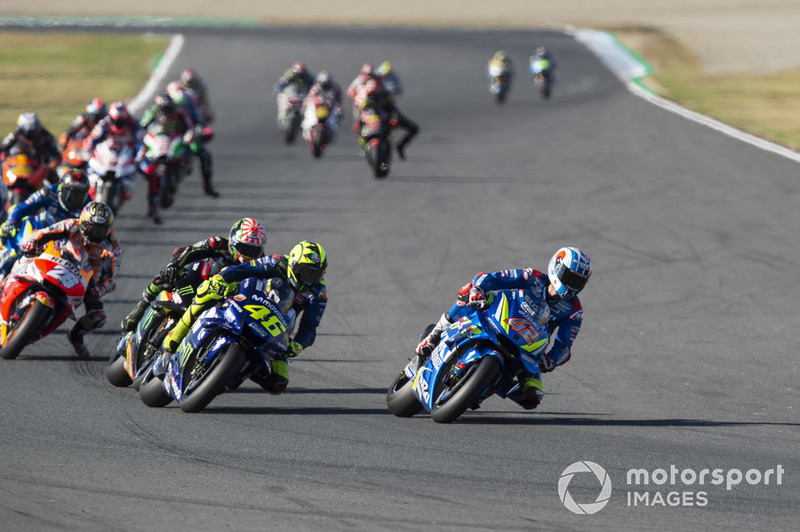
(206,169)
(429,343)
(75,337)
(93,319)
(130,321)
(152,208)
(529,394)
(274,382)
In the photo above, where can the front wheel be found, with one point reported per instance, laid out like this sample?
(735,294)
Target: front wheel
(24,331)
(169,184)
(210,380)
(116,373)
(400,399)
(465,392)
(107,192)
(383,153)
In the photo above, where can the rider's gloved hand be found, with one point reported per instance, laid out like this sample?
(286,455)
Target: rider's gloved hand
(477,298)
(214,288)
(170,274)
(30,247)
(546,364)
(293,349)
(7,230)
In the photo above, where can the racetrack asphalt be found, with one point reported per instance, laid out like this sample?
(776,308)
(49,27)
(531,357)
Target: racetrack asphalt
(686,357)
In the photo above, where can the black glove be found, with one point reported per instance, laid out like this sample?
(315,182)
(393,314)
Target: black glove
(170,274)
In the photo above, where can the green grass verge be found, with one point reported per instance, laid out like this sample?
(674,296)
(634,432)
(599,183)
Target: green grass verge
(57,74)
(760,104)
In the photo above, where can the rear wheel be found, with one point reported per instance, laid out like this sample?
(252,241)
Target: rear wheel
(24,331)
(210,381)
(464,392)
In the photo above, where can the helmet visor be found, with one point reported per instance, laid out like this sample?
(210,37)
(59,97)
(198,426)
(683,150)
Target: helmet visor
(94,232)
(570,279)
(73,199)
(249,251)
(308,274)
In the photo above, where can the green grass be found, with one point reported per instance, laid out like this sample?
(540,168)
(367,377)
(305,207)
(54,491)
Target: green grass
(762,104)
(57,74)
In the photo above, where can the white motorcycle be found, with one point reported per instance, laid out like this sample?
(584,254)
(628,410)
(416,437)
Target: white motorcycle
(112,173)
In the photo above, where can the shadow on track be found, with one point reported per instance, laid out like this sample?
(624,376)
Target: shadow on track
(596,422)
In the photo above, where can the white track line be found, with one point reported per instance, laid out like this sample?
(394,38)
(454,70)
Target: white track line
(628,69)
(141,100)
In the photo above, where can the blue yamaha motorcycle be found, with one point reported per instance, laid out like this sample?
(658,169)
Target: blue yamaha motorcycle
(477,357)
(226,345)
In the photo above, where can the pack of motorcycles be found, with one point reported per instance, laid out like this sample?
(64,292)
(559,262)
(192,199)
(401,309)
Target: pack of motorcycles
(477,357)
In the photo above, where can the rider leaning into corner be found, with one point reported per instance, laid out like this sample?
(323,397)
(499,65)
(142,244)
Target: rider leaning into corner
(33,138)
(303,268)
(567,273)
(378,98)
(297,75)
(92,236)
(245,242)
(65,199)
(324,89)
(84,123)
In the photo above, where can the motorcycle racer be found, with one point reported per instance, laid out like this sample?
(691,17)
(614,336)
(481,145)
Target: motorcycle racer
(378,99)
(541,56)
(501,63)
(33,138)
(84,123)
(118,125)
(65,199)
(191,80)
(245,242)
(175,122)
(298,75)
(185,100)
(325,89)
(390,79)
(356,91)
(304,269)
(91,236)
(567,273)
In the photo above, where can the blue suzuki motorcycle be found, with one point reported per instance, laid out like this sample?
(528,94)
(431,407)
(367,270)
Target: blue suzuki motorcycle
(226,345)
(477,357)
(9,247)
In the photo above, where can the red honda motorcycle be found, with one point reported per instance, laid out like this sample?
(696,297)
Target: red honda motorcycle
(39,294)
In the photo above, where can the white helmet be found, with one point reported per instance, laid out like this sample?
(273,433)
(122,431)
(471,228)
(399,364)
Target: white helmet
(568,271)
